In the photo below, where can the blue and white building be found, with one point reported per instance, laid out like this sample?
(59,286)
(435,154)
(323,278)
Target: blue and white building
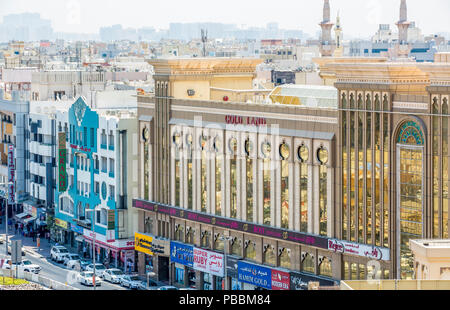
(101,155)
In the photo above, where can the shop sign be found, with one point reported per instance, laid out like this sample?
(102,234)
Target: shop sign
(111,219)
(280,280)
(61,223)
(232,266)
(299,281)
(62,171)
(76,228)
(33,211)
(256,275)
(265,231)
(182,253)
(143,243)
(151,245)
(11,175)
(365,250)
(110,235)
(242,120)
(208,262)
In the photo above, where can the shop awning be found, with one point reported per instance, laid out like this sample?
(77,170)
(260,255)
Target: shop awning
(29,219)
(79,238)
(21,215)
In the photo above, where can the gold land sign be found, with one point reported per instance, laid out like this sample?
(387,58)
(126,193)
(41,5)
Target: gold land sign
(143,243)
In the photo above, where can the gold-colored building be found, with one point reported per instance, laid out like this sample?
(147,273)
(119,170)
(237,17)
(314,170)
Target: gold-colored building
(329,181)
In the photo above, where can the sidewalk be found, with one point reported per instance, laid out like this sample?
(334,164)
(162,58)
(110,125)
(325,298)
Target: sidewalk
(28,244)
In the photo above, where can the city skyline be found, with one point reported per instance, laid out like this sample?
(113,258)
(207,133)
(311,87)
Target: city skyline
(359,19)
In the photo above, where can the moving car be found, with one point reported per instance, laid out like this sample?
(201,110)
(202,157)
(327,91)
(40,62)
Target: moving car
(26,265)
(79,265)
(131,281)
(69,257)
(86,278)
(113,275)
(99,268)
(57,253)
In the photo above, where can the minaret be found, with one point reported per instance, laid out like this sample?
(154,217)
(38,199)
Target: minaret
(339,51)
(326,44)
(403,24)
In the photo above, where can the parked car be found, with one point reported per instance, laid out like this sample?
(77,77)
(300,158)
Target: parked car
(131,281)
(152,285)
(167,288)
(57,253)
(9,249)
(69,257)
(86,278)
(113,275)
(2,239)
(99,268)
(79,265)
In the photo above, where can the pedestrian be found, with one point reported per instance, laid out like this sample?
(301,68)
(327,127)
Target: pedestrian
(84,251)
(33,234)
(48,236)
(16,226)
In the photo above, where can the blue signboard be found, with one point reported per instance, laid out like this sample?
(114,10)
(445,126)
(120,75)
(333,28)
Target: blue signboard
(182,254)
(254,274)
(76,228)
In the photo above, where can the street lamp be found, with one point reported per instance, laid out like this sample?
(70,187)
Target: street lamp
(93,242)
(225,239)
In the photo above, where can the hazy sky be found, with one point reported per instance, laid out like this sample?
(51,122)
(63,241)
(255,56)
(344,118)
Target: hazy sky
(358,17)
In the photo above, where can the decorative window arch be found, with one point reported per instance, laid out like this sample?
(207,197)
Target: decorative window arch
(410,133)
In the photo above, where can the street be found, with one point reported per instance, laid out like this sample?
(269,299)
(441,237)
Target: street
(50,269)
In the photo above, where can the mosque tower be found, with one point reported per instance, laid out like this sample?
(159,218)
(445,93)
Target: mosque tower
(326,45)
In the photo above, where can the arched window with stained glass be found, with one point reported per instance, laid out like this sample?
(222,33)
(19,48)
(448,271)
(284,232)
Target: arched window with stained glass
(410,133)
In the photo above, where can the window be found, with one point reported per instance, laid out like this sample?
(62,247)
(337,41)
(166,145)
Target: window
(325,267)
(233,177)
(104,164)
(112,192)
(308,264)
(97,187)
(92,137)
(250,250)
(269,255)
(284,154)
(285,258)
(236,247)
(111,165)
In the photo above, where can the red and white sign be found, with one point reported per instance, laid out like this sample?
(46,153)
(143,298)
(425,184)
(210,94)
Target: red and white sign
(280,280)
(209,262)
(101,240)
(364,250)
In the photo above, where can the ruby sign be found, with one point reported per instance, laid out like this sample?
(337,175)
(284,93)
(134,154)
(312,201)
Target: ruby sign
(280,280)
(209,262)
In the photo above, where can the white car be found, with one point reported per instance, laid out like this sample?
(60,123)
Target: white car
(99,268)
(113,275)
(70,257)
(87,278)
(26,265)
(57,253)
(130,281)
